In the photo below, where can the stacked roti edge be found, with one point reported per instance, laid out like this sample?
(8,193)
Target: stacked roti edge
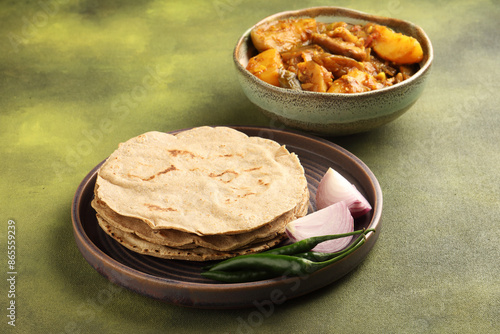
(208,193)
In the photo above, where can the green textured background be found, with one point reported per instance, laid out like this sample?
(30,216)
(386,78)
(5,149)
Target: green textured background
(78,77)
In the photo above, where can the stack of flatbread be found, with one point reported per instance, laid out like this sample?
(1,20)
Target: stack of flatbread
(203,194)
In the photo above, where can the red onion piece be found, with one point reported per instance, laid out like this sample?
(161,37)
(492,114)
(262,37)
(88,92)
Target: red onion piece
(334,188)
(334,219)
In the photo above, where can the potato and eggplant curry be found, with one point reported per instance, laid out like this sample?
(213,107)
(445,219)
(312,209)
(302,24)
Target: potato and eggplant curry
(304,54)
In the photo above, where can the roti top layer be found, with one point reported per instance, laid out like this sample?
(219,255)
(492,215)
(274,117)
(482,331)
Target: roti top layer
(204,181)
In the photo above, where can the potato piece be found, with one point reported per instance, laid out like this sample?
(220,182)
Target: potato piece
(314,77)
(283,35)
(395,47)
(265,66)
(355,81)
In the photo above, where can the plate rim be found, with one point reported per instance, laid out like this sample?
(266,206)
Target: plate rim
(87,247)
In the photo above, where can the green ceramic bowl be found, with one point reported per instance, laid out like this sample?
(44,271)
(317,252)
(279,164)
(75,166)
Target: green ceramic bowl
(330,113)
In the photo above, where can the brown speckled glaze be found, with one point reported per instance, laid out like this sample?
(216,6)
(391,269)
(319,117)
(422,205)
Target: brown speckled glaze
(328,113)
(179,282)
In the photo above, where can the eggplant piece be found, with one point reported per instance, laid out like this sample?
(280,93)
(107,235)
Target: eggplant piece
(337,45)
(282,35)
(338,65)
(288,79)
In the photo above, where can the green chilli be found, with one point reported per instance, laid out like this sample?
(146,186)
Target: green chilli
(252,267)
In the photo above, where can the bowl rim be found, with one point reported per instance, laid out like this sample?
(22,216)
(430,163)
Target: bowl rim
(346,12)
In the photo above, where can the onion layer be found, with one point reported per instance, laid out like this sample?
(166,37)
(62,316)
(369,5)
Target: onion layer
(334,219)
(334,188)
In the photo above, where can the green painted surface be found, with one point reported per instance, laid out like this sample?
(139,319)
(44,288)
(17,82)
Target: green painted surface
(77,78)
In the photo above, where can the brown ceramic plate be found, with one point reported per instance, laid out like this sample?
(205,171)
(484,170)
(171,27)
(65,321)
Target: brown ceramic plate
(180,282)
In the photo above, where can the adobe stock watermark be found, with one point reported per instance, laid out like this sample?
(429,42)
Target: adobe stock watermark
(87,311)
(31,24)
(264,309)
(224,8)
(11,273)
(451,124)
(120,108)
(269,133)
(392,9)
